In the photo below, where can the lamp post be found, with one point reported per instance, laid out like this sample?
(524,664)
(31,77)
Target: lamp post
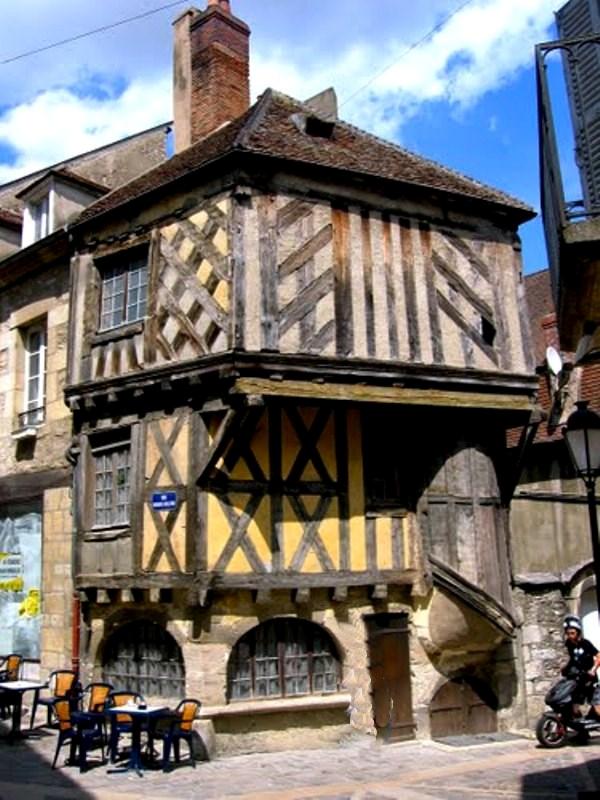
(582,435)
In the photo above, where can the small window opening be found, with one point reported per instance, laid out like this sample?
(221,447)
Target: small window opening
(488,331)
(315,126)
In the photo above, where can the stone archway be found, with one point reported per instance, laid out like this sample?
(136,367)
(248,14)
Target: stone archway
(462,706)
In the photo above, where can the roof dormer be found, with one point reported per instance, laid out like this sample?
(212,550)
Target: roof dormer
(53,200)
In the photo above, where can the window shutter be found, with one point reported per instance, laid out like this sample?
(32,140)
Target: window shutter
(575,19)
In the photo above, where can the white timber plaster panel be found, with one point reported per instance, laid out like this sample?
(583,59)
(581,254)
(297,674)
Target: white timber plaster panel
(398,278)
(421,294)
(357,284)
(252,333)
(380,307)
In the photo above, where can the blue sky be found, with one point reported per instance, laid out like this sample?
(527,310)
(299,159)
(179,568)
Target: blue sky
(465,96)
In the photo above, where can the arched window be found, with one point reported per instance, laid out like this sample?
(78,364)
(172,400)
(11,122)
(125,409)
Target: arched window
(283,658)
(143,657)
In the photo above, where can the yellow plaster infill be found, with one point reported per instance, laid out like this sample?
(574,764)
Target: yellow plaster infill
(382,394)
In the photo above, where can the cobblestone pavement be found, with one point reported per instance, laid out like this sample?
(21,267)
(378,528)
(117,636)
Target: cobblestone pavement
(359,769)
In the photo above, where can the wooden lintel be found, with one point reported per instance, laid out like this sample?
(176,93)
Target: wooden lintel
(383,394)
(127,596)
(380,591)
(340,593)
(302,595)
(102,597)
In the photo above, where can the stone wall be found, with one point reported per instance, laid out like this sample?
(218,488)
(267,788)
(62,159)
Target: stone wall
(56,581)
(543,651)
(207,635)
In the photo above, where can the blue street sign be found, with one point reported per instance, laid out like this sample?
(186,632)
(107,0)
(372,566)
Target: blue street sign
(162,501)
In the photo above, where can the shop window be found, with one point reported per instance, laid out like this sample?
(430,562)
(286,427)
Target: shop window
(124,282)
(111,460)
(283,658)
(145,658)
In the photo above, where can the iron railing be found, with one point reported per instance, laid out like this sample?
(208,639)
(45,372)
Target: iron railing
(31,418)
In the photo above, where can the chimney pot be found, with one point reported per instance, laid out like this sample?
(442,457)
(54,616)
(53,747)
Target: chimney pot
(222,4)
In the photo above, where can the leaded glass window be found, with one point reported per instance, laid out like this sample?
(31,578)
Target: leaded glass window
(143,657)
(112,487)
(124,289)
(283,658)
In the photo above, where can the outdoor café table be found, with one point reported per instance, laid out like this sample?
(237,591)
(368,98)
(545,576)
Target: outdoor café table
(138,715)
(17,689)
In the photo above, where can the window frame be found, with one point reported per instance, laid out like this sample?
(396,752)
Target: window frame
(125,265)
(235,677)
(113,445)
(33,407)
(39,211)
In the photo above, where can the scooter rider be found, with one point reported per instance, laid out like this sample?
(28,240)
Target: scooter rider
(584,660)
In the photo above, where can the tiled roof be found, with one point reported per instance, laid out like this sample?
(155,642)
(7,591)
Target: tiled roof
(272,128)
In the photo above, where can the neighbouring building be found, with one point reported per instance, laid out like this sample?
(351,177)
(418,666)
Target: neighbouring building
(553,570)
(294,353)
(571,222)
(39,616)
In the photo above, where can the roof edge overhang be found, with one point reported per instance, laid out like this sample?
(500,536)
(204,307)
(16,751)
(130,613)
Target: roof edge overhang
(239,158)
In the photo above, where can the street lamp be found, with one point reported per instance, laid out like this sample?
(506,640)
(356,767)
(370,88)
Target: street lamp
(582,435)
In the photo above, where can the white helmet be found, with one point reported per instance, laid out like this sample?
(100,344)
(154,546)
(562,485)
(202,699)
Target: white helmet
(572,621)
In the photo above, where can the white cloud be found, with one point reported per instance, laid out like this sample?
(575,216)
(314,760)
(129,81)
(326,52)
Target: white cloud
(73,124)
(481,48)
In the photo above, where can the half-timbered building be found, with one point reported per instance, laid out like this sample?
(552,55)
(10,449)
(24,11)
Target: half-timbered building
(294,352)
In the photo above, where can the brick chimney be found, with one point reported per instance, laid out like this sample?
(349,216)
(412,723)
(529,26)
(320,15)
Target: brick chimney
(210,71)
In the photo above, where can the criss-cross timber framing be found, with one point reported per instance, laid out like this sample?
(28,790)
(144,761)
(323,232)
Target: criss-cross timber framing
(164,525)
(232,446)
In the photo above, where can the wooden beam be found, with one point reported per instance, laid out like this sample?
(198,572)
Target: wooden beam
(302,595)
(383,394)
(263,597)
(340,594)
(380,591)
(230,423)
(197,596)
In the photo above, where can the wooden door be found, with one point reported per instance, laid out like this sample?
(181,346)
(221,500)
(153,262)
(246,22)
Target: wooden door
(390,676)
(458,708)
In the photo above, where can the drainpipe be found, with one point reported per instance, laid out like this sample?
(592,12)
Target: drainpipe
(71,456)
(75,632)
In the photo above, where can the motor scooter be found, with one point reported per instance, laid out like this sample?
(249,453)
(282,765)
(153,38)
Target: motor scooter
(554,728)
